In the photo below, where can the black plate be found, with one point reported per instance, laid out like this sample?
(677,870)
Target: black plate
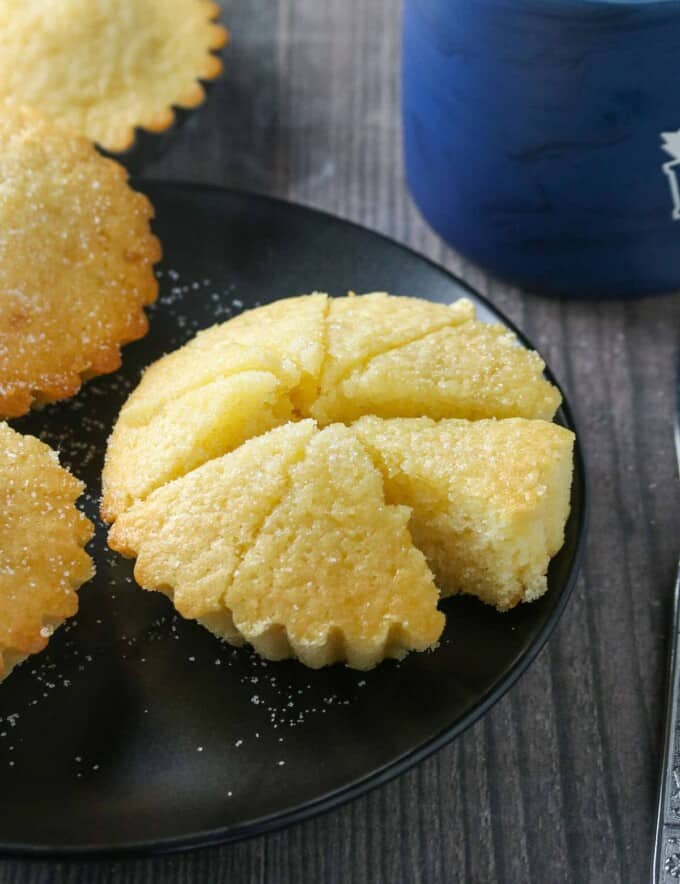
(137,731)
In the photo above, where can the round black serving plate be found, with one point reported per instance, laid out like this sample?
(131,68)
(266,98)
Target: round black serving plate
(137,731)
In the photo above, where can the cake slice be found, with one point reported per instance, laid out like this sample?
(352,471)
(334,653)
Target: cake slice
(364,326)
(490,499)
(285,338)
(469,370)
(189,536)
(333,574)
(231,382)
(294,328)
(195,428)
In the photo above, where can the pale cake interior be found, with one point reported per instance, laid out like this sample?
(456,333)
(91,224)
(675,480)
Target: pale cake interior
(290,344)
(489,498)
(333,574)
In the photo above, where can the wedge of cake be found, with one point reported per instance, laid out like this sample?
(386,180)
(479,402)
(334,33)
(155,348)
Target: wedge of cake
(231,382)
(468,369)
(288,543)
(190,536)
(333,575)
(285,338)
(189,431)
(489,498)
(361,327)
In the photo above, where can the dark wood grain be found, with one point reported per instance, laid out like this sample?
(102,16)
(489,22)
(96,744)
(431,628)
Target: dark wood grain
(557,783)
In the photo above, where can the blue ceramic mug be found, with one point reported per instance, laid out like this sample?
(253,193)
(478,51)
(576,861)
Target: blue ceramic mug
(542,138)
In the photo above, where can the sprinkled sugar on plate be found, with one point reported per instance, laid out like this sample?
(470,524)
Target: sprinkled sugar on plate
(193,741)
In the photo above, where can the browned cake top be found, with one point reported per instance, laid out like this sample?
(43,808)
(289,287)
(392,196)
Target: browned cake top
(76,261)
(103,68)
(42,535)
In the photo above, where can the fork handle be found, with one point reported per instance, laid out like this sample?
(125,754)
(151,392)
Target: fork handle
(666,863)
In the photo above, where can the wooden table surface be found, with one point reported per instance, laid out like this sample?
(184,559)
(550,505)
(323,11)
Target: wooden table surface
(557,783)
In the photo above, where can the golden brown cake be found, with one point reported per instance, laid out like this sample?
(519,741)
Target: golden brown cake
(489,498)
(333,574)
(213,515)
(288,543)
(231,382)
(285,339)
(102,68)
(318,538)
(42,535)
(76,262)
(359,328)
(319,357)
(469,370)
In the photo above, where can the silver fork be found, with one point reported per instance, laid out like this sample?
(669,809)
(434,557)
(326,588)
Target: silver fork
(666,862)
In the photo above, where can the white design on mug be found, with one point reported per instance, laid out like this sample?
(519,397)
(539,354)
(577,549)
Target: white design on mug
(671,144)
